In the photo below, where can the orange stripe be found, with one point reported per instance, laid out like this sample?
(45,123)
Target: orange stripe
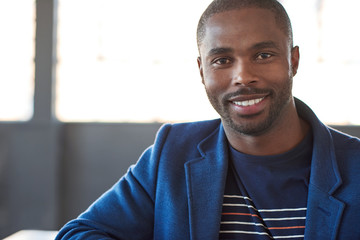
(242,214)
(286,227)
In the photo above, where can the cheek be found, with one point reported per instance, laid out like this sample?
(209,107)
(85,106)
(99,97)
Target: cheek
(277,74)
(214,88)
(216,81)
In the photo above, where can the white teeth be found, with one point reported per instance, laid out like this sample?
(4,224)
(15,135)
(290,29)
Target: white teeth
(248,102)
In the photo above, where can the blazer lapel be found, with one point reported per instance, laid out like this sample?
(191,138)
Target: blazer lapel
(205,179)
(324,211)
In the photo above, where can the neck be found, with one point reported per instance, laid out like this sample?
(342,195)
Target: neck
(281,138)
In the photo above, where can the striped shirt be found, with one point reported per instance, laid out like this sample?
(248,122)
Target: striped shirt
(266,197)
(241,218)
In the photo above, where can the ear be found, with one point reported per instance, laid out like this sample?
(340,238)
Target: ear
(200,69)
(295,58)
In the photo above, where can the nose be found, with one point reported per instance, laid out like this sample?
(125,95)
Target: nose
(244,74)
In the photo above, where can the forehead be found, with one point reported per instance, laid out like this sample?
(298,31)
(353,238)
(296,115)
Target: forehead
(243,27)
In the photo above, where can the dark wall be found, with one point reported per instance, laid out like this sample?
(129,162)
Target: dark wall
(28,177)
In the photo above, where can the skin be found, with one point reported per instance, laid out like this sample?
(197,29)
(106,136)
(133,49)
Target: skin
(245,56)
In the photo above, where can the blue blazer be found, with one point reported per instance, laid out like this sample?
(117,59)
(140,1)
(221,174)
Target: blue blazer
(175,190)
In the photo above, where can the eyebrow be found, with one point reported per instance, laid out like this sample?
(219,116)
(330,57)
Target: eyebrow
(219,50)
(267,44)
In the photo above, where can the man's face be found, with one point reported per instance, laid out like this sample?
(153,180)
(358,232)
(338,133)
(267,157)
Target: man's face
(247,66)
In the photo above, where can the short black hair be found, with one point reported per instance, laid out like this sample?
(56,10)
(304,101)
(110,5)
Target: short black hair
(219,6)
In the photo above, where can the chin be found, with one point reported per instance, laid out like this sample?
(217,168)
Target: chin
(255,125)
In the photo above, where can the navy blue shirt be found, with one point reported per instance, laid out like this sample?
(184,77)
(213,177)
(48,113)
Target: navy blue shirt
(266,196)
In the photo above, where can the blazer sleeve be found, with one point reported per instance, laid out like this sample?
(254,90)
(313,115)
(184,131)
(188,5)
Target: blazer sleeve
(126,211)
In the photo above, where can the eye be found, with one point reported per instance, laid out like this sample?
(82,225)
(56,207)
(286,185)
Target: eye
(263,56)
(222,61)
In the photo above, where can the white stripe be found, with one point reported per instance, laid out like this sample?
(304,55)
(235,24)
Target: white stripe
(260,210)
(282,210)
(264,233)
(237,196)
(238,205)
(246,232)
(264,210)
(248,223)
(282,219)
(244,223)
(292,236)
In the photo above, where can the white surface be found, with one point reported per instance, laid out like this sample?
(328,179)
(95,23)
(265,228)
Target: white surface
(32,235)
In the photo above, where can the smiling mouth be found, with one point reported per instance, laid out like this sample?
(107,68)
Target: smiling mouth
(247,103)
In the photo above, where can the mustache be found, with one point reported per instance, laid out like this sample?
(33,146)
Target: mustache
(247,91)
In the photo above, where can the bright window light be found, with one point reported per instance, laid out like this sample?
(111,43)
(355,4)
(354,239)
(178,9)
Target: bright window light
(17,59)
(328,78)
(129,61)
(136,60)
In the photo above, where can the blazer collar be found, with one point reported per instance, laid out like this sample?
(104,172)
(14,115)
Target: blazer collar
(324,211)
(206,177)
(325,174)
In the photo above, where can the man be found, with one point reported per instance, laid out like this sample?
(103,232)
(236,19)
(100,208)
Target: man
(269,169)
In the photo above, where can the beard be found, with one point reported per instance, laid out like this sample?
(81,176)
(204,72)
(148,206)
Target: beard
(279,100)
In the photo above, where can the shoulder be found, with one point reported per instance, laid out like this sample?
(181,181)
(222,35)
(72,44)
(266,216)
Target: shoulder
(345,142)
(181,140)
(347,152)
(184,132)
(175,144)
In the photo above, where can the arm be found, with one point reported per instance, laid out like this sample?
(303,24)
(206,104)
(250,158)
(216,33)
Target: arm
(118,214)
(126,211)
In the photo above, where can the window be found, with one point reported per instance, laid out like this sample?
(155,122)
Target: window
(136,60)
(16,59)
(122,62)
(327,78)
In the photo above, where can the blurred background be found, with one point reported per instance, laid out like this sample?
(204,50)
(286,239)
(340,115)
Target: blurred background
(85,85)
